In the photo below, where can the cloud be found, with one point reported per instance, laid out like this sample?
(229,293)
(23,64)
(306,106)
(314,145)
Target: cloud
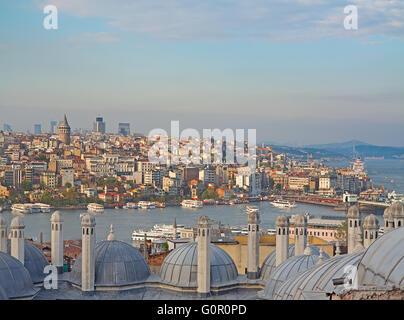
(99,37)
(218,19)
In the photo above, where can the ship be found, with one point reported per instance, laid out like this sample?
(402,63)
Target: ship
(192,204)
(95,208)
(25,208)
(146,205)
(251,209)
(159,232)
(283,204)
(130,205)
(44,208)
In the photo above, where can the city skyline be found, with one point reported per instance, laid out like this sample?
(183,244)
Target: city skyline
(283,69)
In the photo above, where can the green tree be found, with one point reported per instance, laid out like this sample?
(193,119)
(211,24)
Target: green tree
(342,231)
(165,246)
(26,185)
(46,197)
(209,194)
(68,185)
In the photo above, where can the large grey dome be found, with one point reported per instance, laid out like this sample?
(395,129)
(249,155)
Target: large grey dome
(315,283)
(269,264)
(180,267)
(383,262)
(116,264)
(14,278)
(34,261)
(287,269)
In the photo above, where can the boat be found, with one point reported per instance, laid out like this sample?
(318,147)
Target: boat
(44,208)
(25,208)
(251,209)
(158,233)
(192,204)
(279,203)
(130,205)
(95,208)
(146,205)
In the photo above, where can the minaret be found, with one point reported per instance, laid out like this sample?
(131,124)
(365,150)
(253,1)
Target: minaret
(388,220)
(3,235)
(354,227)
(397,211)
(64,131)
(282,238)
(300,234)
(370,228)
(17,238)
(88,253)
(253,245)
(175,228)
(57,241)
(203,277)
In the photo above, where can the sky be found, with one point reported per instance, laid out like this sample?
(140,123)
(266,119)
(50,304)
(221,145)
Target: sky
(287,68)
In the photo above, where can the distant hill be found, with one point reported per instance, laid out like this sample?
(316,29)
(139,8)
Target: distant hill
(342,150)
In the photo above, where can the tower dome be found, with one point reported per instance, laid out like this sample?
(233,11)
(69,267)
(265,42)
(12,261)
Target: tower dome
(17,222)
(15,279)
(282,221)
(180,267)
(269,264)
(287,269)
(387,215)
(64,131)
(353,212)
(56,217)
(397,210)
(383,262)
(117,264)
(300,220)
(34,261)
(370,222)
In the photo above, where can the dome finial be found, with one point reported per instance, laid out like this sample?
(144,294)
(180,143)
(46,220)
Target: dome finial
(320,257)
(308,251)
(111,236)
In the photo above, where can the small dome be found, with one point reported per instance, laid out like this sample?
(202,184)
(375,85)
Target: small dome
(203,220)
(370,222)
(253,218)
(387,214)
(383,262)
(56,217)
(317,282)
(300,220)
(14,278)
(282,221)
(17,222)
(34,261)
(269,264)
(286,270)
(116,264)
(88,220)
(180,267)
(397,210)
(353,212)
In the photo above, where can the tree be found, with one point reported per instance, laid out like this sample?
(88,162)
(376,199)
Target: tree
(342,231)
(26,185)
(68,185)
(46,197)
(209,194)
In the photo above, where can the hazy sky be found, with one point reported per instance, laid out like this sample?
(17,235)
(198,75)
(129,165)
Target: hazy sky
(287,68)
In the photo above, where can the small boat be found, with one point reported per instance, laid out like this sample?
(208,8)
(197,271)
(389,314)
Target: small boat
(130,205)
(95,208)
(283,204)
(192,204)
(146,205)
(25,208)
(44,208)
(251,209)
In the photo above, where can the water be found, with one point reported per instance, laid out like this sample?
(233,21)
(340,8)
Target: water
(125,221)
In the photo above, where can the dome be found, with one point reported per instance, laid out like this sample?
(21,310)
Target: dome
(34,261)
(253,218)
(282,221)
(286,270)
(269,263)
(317,282)
(397,209)
(370,222)
(353,212)
(203,220)
(383,262)
(56,217)
(116,264)
(17,222)
(300,220)
(180,267)
(14,278)
(387,214)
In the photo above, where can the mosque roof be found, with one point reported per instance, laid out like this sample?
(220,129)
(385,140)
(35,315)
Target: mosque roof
(180,267)
(116,264)
(269,264)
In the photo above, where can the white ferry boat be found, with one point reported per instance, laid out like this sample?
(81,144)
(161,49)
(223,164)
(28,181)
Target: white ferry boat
(25,208)
(146,205)
(283,204)
(159,232)
(95,208)
(44,208)
(192,204)
(130,205)
(251,209)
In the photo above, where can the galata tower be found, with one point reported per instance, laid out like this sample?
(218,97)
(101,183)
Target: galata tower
(64,131)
